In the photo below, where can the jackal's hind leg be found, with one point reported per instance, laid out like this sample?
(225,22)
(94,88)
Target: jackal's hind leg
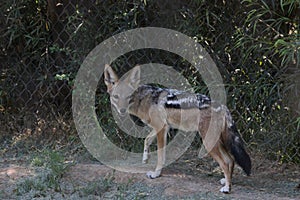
(148,141)
(226,163)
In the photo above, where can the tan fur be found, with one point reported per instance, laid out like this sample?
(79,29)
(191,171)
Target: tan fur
(160,119)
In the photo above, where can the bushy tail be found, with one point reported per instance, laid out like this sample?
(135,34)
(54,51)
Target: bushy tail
(238,151)
(236,146)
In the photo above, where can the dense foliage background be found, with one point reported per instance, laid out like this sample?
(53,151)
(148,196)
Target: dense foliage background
(255,44)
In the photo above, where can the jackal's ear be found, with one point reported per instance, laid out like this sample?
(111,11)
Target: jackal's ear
(135,76)
(110,77)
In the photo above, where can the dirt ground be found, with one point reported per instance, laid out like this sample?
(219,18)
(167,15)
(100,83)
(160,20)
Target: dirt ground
(185,179)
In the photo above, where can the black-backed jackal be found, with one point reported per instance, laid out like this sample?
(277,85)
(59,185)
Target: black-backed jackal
(162,109)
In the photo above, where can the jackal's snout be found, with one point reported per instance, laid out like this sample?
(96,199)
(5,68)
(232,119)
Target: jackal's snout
(122,111)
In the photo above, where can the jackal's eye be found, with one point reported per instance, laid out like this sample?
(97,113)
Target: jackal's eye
(116,96)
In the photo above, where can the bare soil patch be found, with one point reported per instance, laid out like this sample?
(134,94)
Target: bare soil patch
(185,179)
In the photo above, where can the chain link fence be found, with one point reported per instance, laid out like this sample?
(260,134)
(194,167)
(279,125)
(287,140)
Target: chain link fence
(43,44)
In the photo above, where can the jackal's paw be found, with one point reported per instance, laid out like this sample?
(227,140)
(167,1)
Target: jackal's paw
(223,181)
(153,175)
(225,189)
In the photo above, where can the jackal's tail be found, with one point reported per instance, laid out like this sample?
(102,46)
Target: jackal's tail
(236,146)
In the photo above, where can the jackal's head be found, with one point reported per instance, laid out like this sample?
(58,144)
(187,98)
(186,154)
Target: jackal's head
(120,90)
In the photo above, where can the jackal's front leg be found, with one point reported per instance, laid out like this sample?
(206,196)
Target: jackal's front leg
(148,141)
(161,153)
